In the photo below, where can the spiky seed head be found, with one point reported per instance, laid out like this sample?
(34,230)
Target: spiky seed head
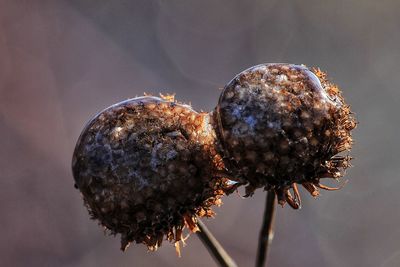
(146,168)
(282,124)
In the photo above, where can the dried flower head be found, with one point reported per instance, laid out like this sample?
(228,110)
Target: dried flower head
(147,167)
(280,125)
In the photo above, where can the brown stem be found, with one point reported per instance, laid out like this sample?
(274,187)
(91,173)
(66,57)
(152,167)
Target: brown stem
(214,247)
(266,233)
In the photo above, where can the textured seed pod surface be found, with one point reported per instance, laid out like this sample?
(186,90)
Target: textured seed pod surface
(280,125)
(146,168)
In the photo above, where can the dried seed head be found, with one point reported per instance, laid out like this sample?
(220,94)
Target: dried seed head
(282,124)
(146,168)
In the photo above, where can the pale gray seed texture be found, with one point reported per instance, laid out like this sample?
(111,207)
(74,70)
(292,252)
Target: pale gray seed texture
(147,167)
(281,124)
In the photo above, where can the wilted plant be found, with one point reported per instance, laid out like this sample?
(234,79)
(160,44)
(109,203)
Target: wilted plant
(281,125)
(148,167)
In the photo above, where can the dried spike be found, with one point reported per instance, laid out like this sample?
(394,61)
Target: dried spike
(312,189)
(334,174)
(160,240)
(280,194)
(170,235)
(201,212)
(177,249)
(230,188)
(296,194)
(290,200)
(124,242)
(168,97)
(249,191)
(184,238)
(178,233)
(319,185)
(210,213)
(191,223)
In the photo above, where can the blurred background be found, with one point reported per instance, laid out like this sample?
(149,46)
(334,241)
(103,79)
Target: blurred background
(63,61)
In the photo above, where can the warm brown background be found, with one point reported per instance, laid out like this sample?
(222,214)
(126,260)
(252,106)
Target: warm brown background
(62,61)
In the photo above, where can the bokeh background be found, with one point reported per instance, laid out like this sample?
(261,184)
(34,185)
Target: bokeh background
(63,61)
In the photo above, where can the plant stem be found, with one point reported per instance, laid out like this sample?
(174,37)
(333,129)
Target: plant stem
(267,232)
(214,247)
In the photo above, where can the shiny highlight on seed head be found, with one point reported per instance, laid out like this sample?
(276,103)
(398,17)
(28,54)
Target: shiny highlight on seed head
(280,125)
(147,168)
